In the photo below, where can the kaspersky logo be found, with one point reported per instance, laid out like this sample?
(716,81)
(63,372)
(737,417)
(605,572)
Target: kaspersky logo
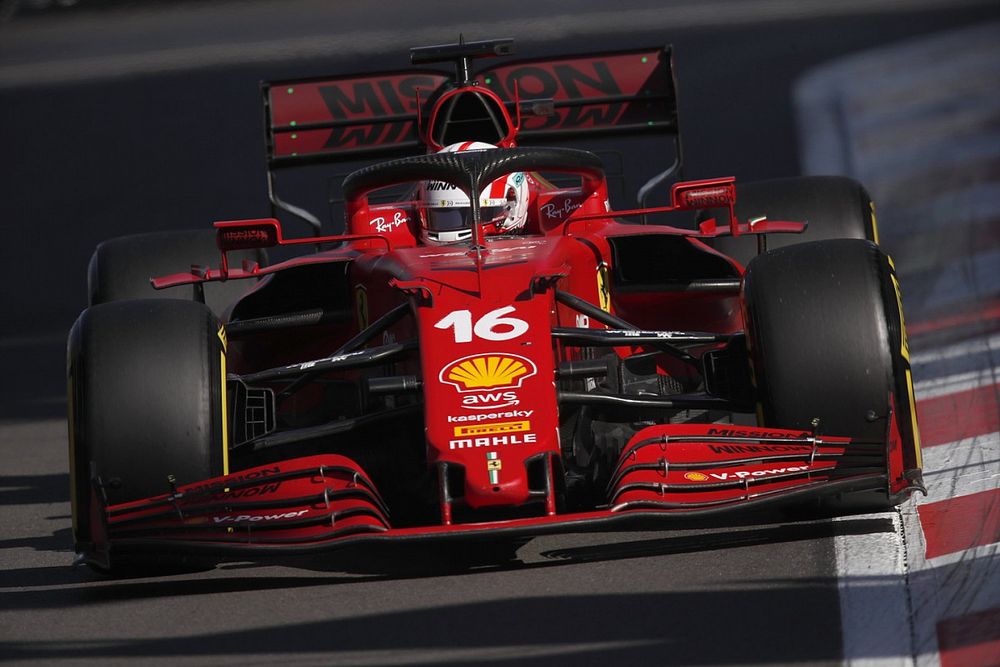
(487,371)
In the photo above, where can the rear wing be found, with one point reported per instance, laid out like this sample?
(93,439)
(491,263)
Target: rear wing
(337,119)
(552,101)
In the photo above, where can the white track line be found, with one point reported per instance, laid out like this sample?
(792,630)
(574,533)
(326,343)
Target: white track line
(873,595)
(953,384)
(960,583)
(962,468)
(975,346)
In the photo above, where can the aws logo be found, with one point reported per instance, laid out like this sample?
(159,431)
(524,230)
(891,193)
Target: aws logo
(482,377)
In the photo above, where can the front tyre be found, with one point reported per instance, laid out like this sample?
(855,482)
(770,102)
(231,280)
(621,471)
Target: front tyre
(827,341)
(146,402)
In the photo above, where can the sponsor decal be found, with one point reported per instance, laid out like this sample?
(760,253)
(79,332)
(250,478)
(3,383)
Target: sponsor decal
(487,371)
(221,490)
(749,433)
(383,226)
(706,197)
(516,248)
(247,237)
(526,245)
(743,474)
(373,97)
(480,378)
(603,292)
(494,465)
(904,352)
(557,210)
(493,441)
(635,333)
(361,303)
(757,449)
(249,492)
(491,400)
(509,414)
(244,235)
(579,79)
(489,429)
(229,518)
(306,365)
(695,477)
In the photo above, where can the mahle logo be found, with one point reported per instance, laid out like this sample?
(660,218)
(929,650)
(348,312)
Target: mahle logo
(487,371)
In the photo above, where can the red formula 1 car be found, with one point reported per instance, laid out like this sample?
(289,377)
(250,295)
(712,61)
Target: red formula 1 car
(578,370)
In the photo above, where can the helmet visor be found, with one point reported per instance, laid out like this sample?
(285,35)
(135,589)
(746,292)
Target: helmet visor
(454,218)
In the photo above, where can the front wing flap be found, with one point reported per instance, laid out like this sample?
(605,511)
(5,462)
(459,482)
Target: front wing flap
(300,501)
(703,466)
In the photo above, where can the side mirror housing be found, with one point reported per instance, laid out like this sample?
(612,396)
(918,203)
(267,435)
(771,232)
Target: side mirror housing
(247,234)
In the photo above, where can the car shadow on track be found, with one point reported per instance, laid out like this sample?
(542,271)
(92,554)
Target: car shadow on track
(588,628)
(34,489)
(390,562)
(609,628)
(729,539)
(58,540)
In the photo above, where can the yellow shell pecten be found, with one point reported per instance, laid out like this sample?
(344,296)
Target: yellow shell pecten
(487,371)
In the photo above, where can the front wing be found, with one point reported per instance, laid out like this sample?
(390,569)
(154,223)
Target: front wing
(321,502)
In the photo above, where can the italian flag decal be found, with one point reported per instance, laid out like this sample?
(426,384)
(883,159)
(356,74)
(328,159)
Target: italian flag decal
(493,464)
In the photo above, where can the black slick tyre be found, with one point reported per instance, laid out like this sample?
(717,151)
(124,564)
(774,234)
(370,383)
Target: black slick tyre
(146,403)
(120,268)
(827,341)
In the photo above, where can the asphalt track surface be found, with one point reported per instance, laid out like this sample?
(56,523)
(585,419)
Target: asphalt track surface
(102,149)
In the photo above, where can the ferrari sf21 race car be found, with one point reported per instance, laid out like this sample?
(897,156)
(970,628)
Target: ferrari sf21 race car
(575,371)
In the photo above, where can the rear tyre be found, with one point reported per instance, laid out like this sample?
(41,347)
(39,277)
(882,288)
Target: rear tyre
(826,339)
(120,268)
(146,401)
(834,206)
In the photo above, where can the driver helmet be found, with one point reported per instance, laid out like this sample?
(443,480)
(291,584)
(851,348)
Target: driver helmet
(446,213)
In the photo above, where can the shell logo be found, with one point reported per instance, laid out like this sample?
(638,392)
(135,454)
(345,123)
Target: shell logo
(488,371)
(695,477)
